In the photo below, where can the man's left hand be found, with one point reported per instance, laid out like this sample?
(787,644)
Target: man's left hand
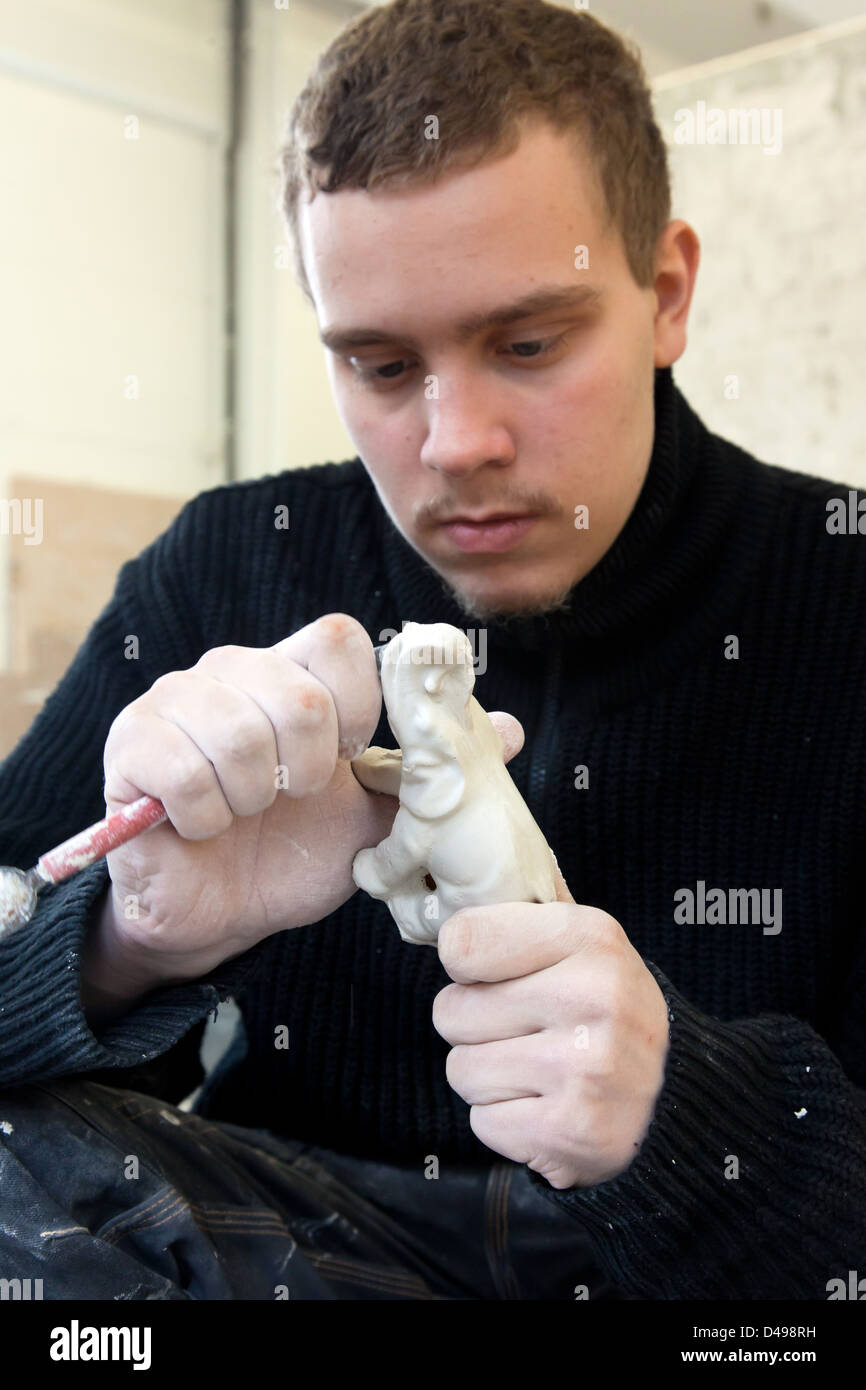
(559,1035)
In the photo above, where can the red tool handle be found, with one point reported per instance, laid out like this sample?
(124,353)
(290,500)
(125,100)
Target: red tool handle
(95,842)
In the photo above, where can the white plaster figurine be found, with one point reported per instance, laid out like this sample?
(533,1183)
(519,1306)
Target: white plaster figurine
(463,835)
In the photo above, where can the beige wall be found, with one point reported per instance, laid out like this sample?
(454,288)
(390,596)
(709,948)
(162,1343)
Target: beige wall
(111,248)
(286,415)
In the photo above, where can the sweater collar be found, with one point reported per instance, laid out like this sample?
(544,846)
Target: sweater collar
(653,576)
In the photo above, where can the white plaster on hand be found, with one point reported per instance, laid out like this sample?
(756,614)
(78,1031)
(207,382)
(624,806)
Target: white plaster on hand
(463,835)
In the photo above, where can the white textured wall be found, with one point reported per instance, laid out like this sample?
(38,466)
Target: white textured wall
(780,302)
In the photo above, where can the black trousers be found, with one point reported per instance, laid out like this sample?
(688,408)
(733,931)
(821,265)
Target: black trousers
(110,1194)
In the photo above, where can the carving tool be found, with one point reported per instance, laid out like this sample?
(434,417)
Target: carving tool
(19,888)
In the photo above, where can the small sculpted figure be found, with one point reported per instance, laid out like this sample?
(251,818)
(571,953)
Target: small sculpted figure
(463,835)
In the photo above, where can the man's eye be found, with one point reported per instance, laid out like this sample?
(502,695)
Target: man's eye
(374,374)
(543,344)
(392,371)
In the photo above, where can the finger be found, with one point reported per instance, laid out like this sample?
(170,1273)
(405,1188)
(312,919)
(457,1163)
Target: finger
(250,713)
(510,940)
(496,1071)
(298,707)
(337,651)
(379,770)
(510,730)
(512,1128)
(572,992)
(162,761)
(486,1012)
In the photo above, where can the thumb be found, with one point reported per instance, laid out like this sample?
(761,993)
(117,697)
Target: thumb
(510,731)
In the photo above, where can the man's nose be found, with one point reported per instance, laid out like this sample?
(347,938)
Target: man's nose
(465,432)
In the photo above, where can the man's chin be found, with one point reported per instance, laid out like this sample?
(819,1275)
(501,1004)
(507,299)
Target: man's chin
(487,607)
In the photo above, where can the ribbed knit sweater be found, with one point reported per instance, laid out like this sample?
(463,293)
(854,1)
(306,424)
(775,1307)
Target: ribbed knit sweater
(743,771)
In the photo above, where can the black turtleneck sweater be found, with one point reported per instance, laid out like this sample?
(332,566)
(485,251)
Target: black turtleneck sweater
(744,773)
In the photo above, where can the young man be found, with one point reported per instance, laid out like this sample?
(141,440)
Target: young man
(653,1088)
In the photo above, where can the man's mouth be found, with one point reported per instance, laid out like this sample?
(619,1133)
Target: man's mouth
(484,518)
(495,531)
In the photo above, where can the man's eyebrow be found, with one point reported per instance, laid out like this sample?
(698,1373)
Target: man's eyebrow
(541,301)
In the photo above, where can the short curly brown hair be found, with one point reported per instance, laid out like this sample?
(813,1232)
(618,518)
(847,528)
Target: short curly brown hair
(482,67)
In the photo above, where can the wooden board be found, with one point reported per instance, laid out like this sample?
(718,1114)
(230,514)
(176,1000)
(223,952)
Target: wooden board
(58,587)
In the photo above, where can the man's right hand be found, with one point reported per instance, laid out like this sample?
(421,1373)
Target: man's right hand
(249,752)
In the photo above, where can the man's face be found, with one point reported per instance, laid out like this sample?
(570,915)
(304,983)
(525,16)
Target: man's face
(537,414)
